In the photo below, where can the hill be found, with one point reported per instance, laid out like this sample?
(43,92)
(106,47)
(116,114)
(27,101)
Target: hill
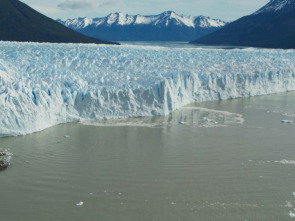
(19,22)
(272,26)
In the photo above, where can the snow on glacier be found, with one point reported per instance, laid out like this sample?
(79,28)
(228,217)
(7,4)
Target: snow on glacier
(42,85)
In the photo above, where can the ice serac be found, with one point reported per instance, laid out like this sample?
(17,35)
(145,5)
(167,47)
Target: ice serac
(42,85)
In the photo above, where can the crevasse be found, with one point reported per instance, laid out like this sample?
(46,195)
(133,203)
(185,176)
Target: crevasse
(42,85)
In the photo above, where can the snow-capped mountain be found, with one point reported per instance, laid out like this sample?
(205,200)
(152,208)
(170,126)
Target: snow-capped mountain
(166,26)
(272,26)
(162,20)
(277,6)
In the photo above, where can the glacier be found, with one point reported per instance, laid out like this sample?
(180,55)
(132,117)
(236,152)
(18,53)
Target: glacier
(42,85)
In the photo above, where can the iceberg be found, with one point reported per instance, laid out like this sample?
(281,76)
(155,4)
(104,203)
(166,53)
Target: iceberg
(42,85)
(286,121)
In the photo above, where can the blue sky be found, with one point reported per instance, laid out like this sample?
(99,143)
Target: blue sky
(227,10)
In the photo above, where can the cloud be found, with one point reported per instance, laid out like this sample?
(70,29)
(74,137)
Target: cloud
(46,10)
(74,5)
(108,3)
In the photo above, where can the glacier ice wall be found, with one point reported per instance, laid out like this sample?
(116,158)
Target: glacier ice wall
(42,85)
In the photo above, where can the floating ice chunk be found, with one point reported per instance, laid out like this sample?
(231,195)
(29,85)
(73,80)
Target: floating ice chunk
(66,136)
(181,122)
(289,204)
(210,120)
(80,203)
(287,121)
(293,193)
(4,164)
(290,162)
(291,214)
(5,158)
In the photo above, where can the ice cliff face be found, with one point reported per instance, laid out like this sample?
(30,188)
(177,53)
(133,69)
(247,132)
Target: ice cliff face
(42,85)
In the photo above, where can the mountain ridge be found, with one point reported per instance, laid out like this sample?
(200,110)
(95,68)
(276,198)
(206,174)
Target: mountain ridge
(121,26)
(19,22)
(276,6)
(272,26)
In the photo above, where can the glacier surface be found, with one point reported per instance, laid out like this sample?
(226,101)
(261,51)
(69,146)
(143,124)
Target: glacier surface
(42,85)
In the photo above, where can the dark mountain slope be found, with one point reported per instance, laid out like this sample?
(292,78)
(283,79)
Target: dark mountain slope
(273,26)
(19,22)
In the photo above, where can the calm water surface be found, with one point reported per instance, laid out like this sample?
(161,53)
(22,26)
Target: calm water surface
(211,161)
(176,44)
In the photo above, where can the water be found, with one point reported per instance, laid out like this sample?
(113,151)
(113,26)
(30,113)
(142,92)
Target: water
(217,160)
(176,44)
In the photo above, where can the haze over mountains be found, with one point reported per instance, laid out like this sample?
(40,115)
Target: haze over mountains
(19,22)
(168,26)
(272,26)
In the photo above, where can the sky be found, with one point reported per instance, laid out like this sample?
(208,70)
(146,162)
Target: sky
(227,10)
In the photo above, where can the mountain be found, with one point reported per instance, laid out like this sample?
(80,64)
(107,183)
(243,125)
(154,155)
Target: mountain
(272,26)
(167,26)
(19,22)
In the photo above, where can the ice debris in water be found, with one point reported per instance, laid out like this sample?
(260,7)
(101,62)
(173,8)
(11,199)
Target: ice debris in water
(66,136)
(209,120)
(5,158)
(80,203)
(188,116)
(287,121)
(42,85)
(289,204)
(291,214)
(290,162)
